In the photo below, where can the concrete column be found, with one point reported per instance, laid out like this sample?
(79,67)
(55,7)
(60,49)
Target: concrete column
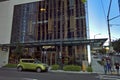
(89,54)
(4,56)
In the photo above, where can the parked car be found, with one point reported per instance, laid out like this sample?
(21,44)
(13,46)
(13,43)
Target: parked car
(32,64)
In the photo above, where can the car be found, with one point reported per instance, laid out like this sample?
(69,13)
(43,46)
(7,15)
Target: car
(32,64)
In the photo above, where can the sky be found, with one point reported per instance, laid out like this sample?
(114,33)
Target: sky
(97,12)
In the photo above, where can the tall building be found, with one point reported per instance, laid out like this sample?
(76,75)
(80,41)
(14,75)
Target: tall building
(44,20)
(54,31)
(57,26)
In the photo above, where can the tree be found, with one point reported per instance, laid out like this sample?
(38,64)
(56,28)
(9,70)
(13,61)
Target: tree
(84,1)
(18,51)
(116,45)
(103,51)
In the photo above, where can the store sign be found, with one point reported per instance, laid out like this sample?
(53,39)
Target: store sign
(4,48)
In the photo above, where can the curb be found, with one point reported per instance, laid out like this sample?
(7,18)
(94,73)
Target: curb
(79,72)
(8,68)
(60,71)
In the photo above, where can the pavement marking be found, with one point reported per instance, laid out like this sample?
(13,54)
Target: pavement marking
(29,79)
(109,77)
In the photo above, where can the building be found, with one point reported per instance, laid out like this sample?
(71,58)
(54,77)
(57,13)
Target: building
(51,20)
(51,30)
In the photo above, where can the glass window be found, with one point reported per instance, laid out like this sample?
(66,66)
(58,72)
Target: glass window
(71,4)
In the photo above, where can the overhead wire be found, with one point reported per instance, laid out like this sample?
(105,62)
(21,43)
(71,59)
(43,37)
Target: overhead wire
(104,11)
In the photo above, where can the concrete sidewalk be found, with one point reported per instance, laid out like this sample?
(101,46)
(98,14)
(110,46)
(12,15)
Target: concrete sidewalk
(97,68)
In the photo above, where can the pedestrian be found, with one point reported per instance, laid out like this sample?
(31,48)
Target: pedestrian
(105,65)
(109,66)
(117,67)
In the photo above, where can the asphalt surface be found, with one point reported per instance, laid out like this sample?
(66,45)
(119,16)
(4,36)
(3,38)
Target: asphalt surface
(13,74)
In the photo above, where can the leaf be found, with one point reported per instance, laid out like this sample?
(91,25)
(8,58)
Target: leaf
(116,45)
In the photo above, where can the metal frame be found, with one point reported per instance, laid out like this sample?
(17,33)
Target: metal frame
(57,42)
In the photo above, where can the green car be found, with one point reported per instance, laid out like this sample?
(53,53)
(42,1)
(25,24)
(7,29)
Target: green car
(32,64)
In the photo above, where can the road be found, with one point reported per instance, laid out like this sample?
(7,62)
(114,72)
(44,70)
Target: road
(13,74)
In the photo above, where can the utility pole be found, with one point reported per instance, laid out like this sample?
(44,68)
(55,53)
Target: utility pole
(109,33)
(61,35)
(108,23)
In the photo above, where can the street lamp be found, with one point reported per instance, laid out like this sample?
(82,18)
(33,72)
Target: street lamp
(96,35)
(94,46)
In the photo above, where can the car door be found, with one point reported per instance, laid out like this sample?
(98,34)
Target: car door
(25,64)
(31,65)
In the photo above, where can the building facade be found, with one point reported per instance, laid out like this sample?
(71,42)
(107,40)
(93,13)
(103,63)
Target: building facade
(54,21)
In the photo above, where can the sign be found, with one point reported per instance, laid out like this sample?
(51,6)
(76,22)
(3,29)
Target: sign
(4,48)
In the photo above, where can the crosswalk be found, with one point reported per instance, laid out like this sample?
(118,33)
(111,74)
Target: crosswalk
(29,79)
(109,77)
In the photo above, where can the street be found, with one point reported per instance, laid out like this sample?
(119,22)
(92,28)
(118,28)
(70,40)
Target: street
(13,74)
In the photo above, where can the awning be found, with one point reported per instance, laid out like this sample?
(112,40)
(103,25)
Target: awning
(57,42)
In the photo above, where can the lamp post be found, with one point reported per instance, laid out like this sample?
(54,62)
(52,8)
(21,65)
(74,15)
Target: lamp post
(96,35)
(94,41)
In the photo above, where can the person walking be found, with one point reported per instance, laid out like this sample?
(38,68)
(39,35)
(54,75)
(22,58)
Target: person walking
(117,67)
(109,66)
(105,65)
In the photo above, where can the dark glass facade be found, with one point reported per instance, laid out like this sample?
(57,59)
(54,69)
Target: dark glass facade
(51,20)
(24,22)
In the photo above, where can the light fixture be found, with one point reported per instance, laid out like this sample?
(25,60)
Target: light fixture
(42,9)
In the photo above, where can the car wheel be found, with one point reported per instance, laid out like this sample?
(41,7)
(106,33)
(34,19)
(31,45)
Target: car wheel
(20,68)
(38,69)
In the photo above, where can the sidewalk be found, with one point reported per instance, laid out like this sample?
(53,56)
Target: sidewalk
(97,68)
